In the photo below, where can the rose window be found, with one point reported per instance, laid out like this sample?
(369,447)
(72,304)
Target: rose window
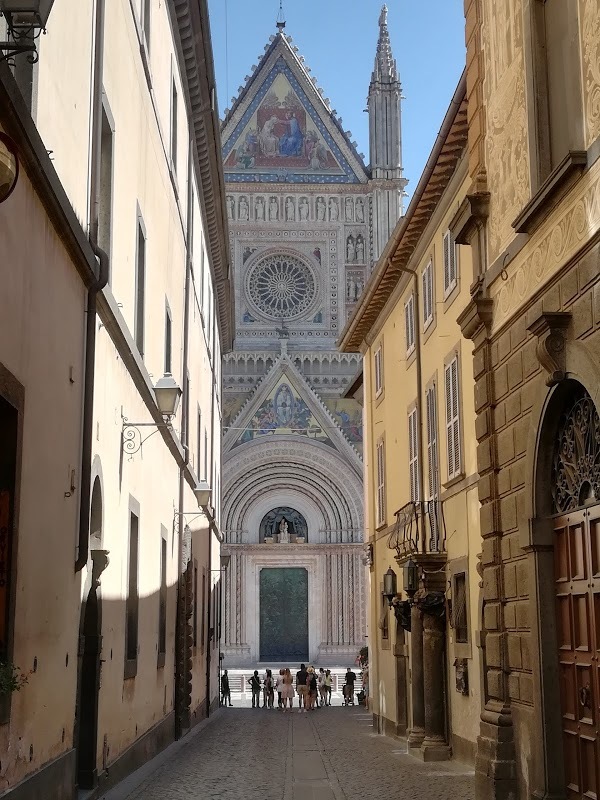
(281,286)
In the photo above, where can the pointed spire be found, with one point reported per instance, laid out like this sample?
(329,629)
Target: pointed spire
(280,23)
(385,70)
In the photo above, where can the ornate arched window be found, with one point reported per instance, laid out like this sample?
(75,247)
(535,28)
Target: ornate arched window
(576,457)
(283,519)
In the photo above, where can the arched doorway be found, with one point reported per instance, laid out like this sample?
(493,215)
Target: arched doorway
(571,498)
(90,646)
(283,524)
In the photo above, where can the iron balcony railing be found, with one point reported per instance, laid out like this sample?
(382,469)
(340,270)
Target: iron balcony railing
(419,528)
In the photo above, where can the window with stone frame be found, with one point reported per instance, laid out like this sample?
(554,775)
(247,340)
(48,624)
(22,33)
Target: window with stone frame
(453,432)
(132,603)
(380,467)
(378,368)
(162,602)
(413,455)
(460,620)
(450,265)
(409,324)
(427,292)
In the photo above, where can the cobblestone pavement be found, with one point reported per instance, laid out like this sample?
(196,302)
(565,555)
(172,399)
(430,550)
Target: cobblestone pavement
(329,754)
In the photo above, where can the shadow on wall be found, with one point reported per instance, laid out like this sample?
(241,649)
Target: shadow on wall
(129,704)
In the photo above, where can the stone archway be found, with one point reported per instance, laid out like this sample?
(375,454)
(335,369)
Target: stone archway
(565,553)
(90,646)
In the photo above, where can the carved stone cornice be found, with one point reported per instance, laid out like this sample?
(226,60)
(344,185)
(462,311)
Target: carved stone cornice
(477,314)
(550,329)
(471,215)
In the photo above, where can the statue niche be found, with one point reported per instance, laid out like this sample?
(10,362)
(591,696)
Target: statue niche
(284,526)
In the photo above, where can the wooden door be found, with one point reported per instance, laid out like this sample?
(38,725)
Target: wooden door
(577,582)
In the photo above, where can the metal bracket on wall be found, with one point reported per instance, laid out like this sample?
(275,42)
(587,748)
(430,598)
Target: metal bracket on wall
(132,438)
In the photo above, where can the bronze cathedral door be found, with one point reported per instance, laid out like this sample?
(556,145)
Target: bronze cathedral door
(577,582)
(283,615)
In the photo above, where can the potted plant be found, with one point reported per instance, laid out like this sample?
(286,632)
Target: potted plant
(11,679)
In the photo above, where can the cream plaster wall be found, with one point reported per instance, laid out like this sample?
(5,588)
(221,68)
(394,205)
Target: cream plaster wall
(140,103)
(42,321)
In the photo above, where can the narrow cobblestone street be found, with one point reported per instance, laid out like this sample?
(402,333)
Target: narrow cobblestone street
(330,754)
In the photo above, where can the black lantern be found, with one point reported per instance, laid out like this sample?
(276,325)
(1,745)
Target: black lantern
(411,577)
(390,586)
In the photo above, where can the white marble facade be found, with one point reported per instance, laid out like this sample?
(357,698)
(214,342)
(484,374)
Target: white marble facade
(299,200)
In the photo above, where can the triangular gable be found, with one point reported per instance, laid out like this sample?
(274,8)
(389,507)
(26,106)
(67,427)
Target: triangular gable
(280,128)
(284,404)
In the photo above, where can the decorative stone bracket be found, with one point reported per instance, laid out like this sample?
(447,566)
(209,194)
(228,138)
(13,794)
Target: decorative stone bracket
(550,330)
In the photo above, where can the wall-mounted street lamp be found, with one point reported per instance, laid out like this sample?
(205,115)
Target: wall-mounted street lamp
(25,20)
(203,494)
(411,578)
(390,586)
(167,393)
(9,167)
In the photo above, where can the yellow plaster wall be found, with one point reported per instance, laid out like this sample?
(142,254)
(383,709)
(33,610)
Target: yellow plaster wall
(387,417)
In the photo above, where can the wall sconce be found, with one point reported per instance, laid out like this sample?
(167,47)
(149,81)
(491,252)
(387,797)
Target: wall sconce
(390,586)
(167,393)
(411,578)
(225,561)
(9,167)
(203,494)
(25,19)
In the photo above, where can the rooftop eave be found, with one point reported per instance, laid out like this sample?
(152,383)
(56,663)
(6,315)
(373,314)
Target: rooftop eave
(190,21)
(445,155)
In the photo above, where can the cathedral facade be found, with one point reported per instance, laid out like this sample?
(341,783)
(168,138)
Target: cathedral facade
(307,219)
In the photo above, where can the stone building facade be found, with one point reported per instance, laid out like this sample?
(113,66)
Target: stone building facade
(422,504)
(307,219)
(532,218)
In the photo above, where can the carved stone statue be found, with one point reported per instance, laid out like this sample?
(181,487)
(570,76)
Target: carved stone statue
(284,536)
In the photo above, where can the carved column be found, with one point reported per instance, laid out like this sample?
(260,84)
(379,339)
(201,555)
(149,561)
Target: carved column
(417,728)
(434,747)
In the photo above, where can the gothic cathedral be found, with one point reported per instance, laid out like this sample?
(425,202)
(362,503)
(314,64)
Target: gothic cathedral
(308,220)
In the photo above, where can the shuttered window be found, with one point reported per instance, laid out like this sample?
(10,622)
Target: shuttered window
(450,276)
(453,418)
(380,482)
(427,295)
(413,455)
(409,320)
(378,371)
(433,474)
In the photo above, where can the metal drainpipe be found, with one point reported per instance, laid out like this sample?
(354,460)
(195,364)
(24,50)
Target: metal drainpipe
(90,339)
(210,533)
(419,403)
(180,639)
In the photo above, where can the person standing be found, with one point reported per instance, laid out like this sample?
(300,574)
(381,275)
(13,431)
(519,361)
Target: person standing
(287,689)
(301,678)
(268,692)
(311,689)
(328,684)
(321,687)
(225,690)
(279,688)
(349,687)
(255,686)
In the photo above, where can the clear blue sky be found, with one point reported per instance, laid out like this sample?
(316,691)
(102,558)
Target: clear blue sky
(338,39)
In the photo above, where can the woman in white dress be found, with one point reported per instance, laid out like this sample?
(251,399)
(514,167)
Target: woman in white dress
(287,693)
